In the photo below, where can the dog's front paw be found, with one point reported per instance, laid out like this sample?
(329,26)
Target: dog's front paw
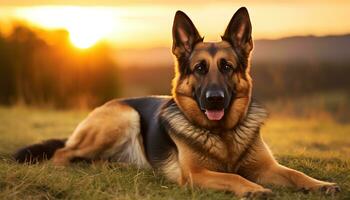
(262,193)
(325,187)
(330,189)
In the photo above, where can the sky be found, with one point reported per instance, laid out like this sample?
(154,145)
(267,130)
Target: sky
(147,24)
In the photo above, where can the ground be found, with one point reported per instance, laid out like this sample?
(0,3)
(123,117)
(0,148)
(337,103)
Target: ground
(318,147)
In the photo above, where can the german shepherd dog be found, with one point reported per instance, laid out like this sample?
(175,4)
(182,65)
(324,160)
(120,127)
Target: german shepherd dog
(206,134)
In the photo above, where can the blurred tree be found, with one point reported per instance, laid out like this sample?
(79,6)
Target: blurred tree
(42,68)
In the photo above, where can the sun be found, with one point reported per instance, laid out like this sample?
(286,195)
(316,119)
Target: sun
(84,38)
(87,32)
(86,26)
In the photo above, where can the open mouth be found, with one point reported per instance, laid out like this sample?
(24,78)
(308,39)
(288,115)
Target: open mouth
(215,115)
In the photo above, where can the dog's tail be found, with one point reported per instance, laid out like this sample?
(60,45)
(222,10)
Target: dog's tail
(39,152)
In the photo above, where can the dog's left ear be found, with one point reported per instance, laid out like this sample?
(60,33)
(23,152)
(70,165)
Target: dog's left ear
(239,30)
(185,35)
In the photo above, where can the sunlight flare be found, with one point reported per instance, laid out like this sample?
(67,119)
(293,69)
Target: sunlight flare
(86,26)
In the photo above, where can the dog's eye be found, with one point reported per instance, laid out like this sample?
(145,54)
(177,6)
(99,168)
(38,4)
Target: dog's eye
(201,68)
(225,67)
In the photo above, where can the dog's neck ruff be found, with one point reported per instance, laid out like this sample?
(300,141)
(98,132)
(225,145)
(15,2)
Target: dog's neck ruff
(215,145)
(177,121)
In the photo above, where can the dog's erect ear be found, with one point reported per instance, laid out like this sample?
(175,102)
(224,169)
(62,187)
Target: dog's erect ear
(239,31)
(185,35)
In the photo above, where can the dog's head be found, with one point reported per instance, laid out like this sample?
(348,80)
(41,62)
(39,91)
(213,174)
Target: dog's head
(212,85)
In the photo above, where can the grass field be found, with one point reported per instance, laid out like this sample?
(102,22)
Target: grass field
(320,148)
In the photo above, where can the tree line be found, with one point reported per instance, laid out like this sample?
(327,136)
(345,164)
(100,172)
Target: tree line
(40,67)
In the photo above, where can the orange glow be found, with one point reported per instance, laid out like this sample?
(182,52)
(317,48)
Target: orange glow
(86,26)
(149,25)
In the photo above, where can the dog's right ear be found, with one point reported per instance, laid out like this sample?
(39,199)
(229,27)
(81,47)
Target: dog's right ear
(185,35)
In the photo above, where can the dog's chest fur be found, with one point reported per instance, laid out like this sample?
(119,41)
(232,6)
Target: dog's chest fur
(225,148)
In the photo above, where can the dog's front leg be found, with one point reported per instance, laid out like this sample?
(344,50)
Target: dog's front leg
(280,175)
(227,182)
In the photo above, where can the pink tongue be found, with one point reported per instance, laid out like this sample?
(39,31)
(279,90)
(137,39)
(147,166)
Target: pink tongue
(214,114)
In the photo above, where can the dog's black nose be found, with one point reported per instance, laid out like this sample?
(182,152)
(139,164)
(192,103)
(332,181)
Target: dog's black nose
(215,96)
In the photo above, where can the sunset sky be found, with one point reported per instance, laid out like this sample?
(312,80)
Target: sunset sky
(143,24)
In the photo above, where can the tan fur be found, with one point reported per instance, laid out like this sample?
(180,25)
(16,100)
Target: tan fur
(111,131)
(171,169)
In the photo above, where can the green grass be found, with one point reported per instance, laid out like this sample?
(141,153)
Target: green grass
(320,148)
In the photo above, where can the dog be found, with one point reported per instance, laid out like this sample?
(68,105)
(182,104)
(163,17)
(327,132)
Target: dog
(206,134)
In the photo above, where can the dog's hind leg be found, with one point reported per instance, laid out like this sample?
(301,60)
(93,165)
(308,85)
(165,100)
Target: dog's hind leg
(103,134)
(63,156)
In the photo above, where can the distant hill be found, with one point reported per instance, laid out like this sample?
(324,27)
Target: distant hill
(311,49)
(327,49)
